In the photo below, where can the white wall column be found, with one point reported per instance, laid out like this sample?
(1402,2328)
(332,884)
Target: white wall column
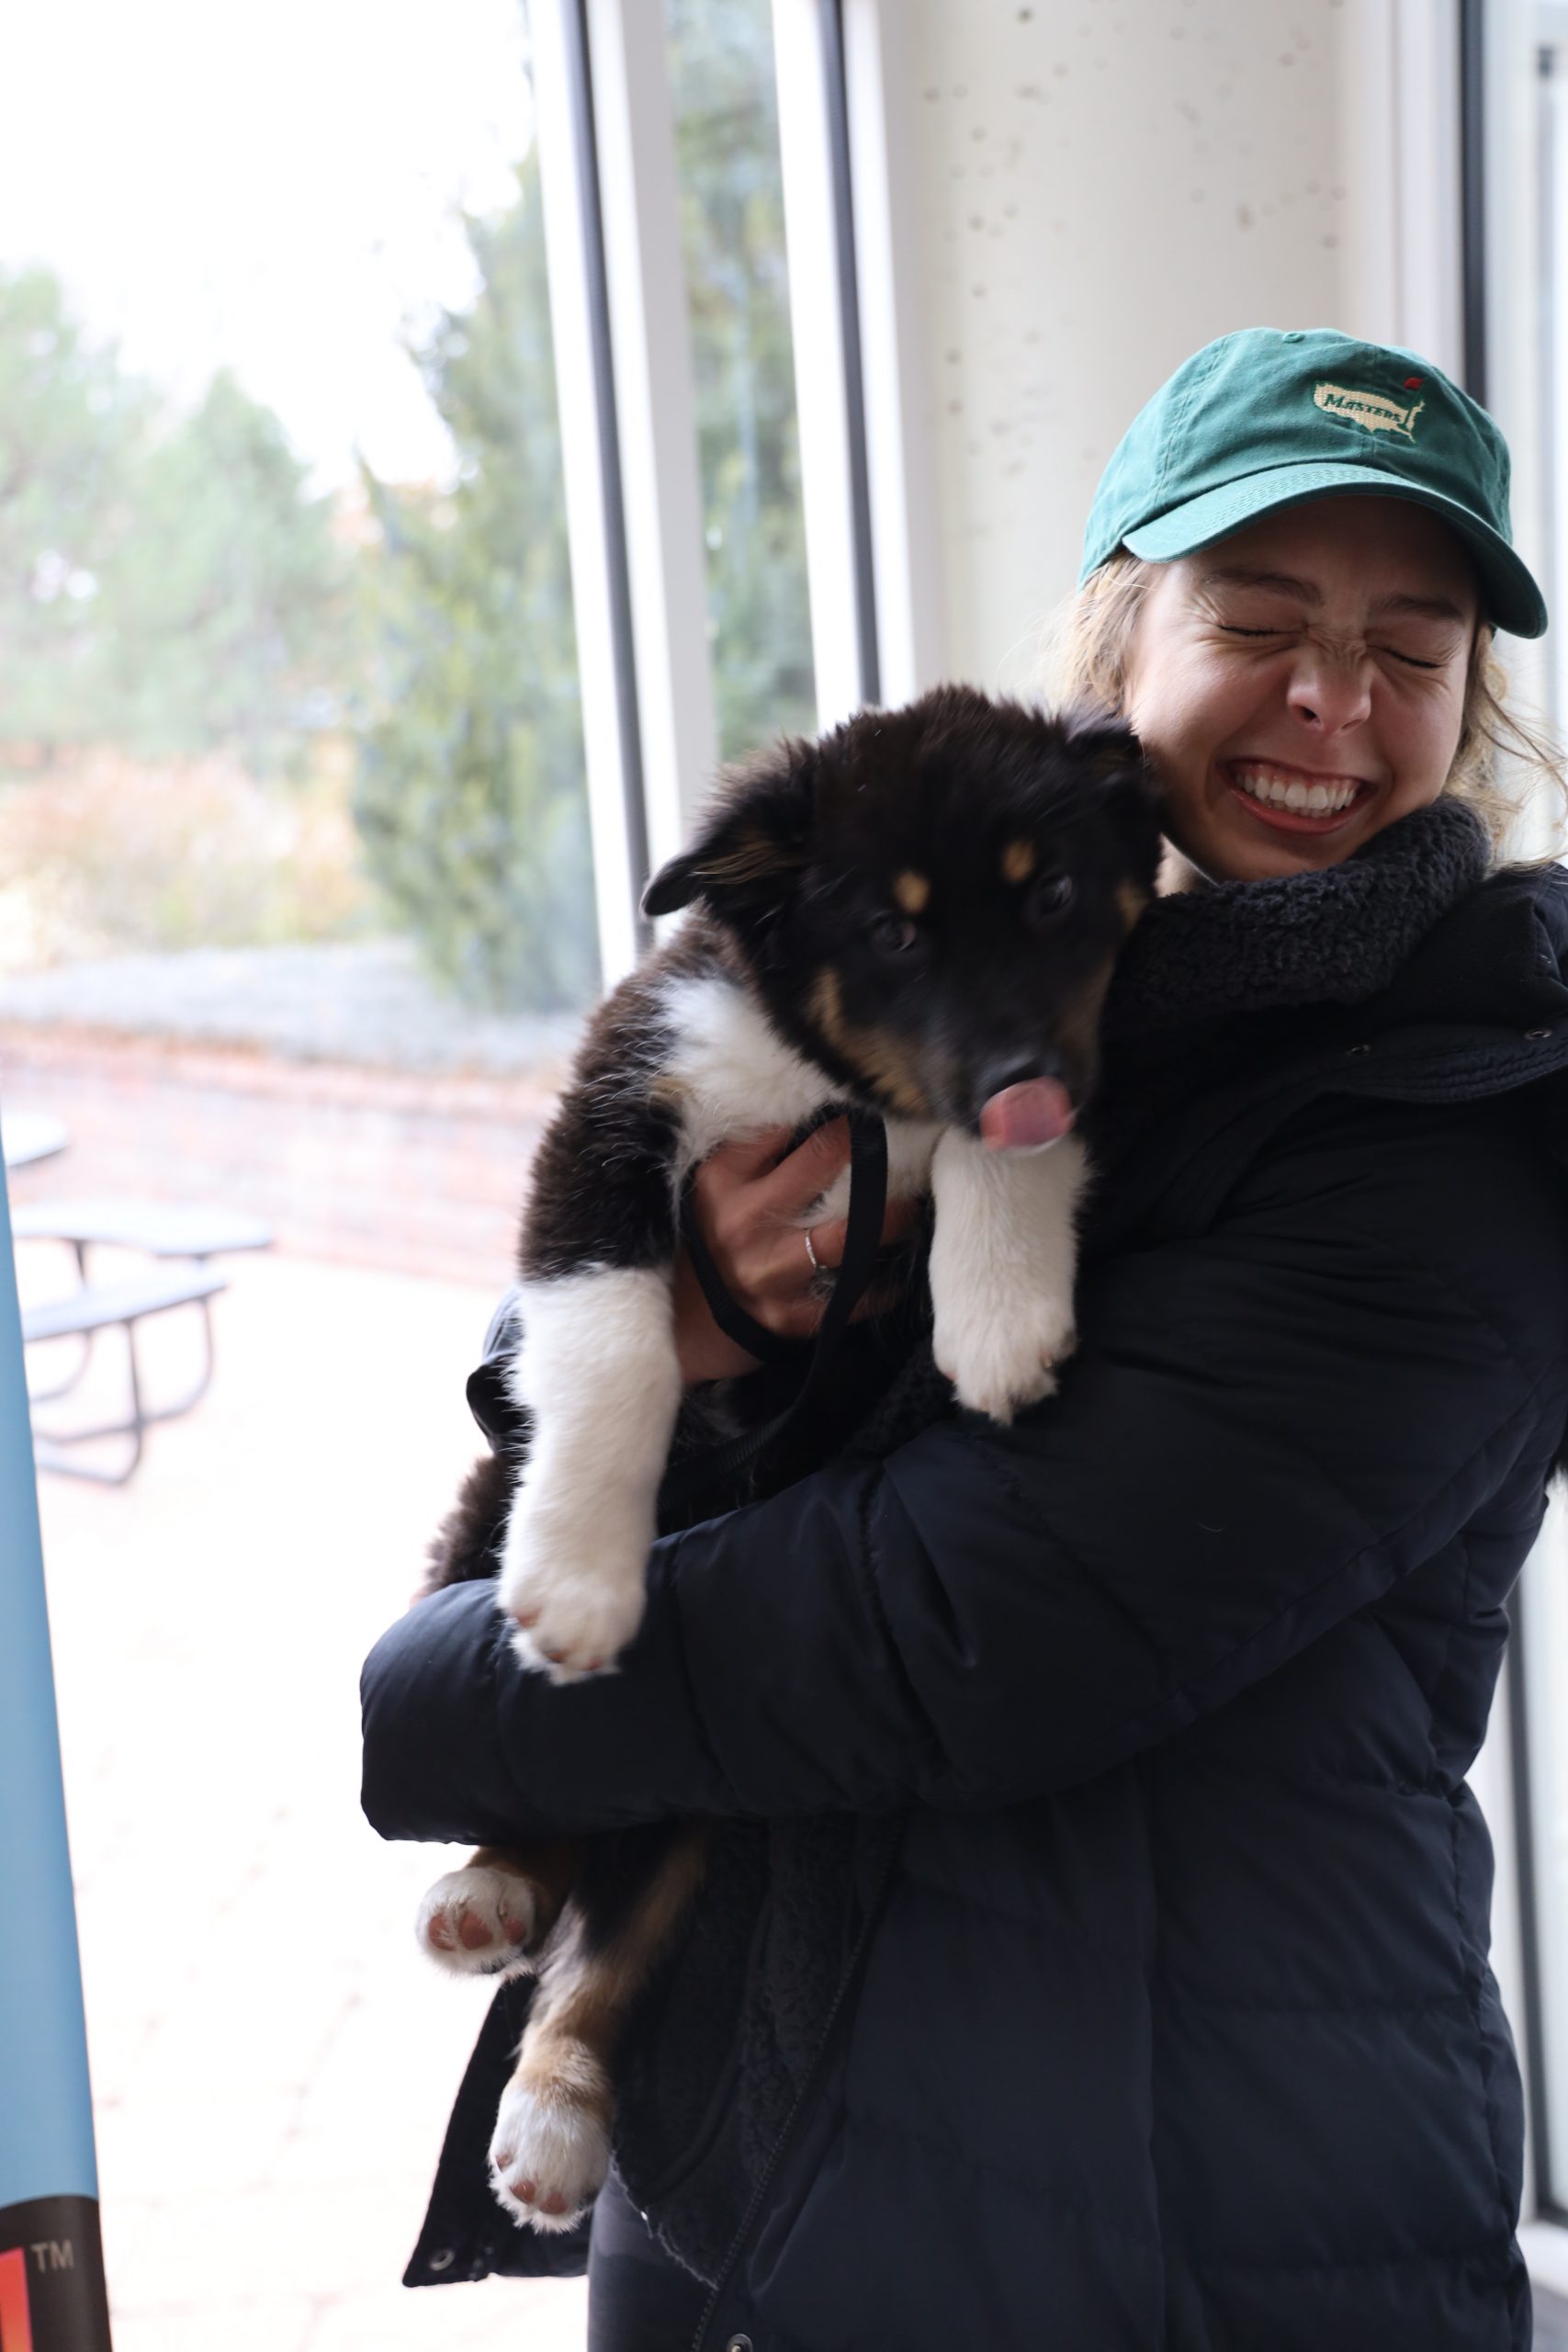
(816,295)
(588,460)
(882,100)
(1401,110)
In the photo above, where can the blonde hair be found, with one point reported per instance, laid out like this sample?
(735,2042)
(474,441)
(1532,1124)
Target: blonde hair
(1091,638)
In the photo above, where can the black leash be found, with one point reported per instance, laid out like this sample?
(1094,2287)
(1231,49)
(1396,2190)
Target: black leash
(863,1239)
(767,1346)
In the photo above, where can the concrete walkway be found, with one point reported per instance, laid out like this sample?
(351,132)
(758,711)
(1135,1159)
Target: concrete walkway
(272,2059)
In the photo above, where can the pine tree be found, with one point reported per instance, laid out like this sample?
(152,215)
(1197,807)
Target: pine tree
(469,794)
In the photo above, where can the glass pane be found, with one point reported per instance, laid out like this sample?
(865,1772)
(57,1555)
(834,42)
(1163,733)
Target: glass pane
(727,140)
(1527,196)
(1551,52)
(1544,1617)
(286,643)
(294,915)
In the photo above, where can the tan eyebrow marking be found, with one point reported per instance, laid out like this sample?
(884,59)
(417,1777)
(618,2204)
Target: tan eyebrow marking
(1018,861)
(912,891)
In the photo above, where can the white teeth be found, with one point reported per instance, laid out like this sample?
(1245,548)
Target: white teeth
(1279,791)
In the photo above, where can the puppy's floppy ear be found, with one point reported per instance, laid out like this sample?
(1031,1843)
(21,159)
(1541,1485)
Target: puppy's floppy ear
(1104,740)
(753,847)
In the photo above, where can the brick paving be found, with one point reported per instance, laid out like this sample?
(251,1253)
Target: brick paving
(272,2059)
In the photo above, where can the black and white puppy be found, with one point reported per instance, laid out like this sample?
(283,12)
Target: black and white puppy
(917,915)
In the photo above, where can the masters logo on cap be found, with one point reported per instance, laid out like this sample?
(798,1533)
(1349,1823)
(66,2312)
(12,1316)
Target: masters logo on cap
(1375,411)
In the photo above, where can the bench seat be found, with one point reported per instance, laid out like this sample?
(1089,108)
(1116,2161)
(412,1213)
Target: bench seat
(97,1305)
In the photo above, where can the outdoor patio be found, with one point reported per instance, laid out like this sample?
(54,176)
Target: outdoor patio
(272,2059)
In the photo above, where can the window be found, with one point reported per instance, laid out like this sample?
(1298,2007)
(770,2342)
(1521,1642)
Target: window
(1541,1683)
(1550,124)
(288,655)
(1540,1673)
(1516,205)
(296,916)
(351,671)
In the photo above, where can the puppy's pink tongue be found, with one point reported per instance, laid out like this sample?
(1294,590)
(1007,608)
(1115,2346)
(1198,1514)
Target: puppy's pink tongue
(1023,1117)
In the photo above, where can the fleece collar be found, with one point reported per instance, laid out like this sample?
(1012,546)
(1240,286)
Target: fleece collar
(1337,936)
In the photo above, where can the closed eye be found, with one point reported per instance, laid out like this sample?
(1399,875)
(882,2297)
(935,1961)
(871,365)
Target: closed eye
(1411,660)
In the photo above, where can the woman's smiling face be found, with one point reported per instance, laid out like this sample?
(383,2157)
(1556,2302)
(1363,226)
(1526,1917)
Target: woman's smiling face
(1301,684)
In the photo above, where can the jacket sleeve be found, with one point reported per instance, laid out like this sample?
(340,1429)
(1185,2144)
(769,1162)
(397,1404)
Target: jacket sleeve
(1266,1425)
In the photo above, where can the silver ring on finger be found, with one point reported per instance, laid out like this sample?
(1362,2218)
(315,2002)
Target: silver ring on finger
(817,1268)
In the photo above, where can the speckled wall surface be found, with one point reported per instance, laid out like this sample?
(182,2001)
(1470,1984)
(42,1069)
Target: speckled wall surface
(1105,185)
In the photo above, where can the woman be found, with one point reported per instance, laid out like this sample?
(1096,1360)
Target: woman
(1154,2009)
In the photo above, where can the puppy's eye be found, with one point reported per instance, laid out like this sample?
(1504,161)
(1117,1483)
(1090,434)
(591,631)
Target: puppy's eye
(1051,896)
(894,936)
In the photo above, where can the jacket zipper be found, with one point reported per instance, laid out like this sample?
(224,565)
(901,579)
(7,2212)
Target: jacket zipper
(803,2096)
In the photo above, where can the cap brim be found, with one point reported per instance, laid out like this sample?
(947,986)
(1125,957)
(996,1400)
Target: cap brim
(1508,591)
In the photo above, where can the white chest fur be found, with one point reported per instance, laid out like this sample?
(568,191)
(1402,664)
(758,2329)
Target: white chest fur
(735,1076)
(597,1367)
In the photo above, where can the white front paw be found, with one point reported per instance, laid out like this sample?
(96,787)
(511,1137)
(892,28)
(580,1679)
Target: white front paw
(478,1922)
(575,1610)
(1000,1362)
(549,2157)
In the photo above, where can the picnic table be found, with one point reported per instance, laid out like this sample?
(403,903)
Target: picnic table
(159,1229)
(28,1136)
(182,1239)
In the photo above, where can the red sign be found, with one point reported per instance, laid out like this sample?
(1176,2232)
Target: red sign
(16,2324)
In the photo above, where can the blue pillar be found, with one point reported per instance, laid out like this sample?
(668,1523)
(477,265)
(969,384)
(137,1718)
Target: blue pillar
(52,2270)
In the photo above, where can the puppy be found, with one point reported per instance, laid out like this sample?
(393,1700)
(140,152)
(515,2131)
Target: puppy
(918,916)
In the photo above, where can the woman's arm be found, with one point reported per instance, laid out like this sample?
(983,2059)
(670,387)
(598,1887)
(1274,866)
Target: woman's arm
(1265,1427)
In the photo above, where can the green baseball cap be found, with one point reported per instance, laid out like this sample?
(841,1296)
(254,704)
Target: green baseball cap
(1262,419)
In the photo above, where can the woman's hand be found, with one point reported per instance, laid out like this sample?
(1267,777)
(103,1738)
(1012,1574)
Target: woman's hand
(751,1201)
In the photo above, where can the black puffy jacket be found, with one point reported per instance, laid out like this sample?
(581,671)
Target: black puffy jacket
(1163,2016)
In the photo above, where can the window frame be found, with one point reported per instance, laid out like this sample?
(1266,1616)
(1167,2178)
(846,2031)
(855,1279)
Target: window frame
(1502,1778)
(627,420)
